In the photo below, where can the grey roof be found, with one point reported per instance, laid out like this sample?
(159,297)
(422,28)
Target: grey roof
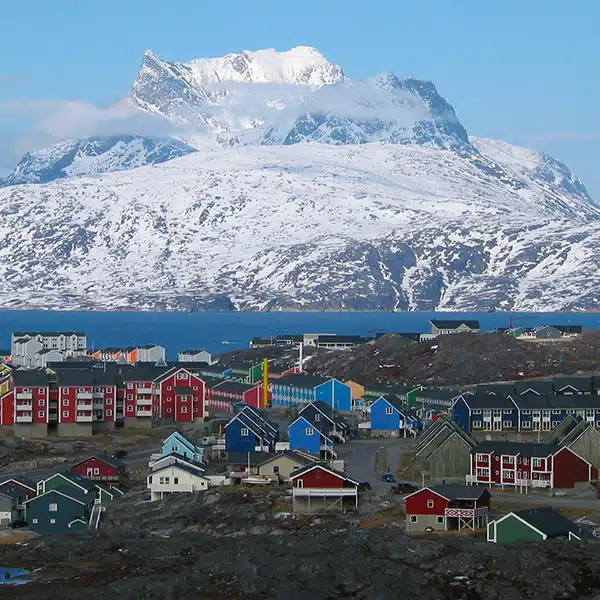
(499,389)
(458,492)
(241,458)
(327,410)
(540,387)
(437,393)
(303,460)
(548,521)
(436,434)
(453,324)
(563,430)
(301,380)
(343,339)
(568,328)
(142,373)
(310,466)
(581,384)
(516,448)
(573,402)
(393,400)
(48,333)
(73,377)
(180,465)
(33,378)
(229,386)
(193,351)
(489,402)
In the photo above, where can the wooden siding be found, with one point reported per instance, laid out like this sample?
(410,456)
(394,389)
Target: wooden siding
(512,530)
(588,446)
(451,459)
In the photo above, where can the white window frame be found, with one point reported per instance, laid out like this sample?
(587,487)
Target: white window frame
(317,417)
(414,518)
(309,431)
(507,424)
(41,414)
(53,507)
(65,390)
(244,431)
(526,412)
(526,424)
(109,413)
(389,410)
(476,425)
(184,409)
(430,504)
(440,520)
(481,457)
(476,412)
(34,521)
(508,474)
(65,413)
(537,462)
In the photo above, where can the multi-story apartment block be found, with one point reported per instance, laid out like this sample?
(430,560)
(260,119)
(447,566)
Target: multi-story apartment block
(26,346)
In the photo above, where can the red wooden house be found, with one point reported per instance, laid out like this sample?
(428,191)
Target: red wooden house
(100,469)
(446,508)
(522,465)
(233,391)
(180,396)
(318,487)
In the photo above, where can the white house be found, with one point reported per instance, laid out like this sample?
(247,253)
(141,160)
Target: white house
(195,356)
(177,478)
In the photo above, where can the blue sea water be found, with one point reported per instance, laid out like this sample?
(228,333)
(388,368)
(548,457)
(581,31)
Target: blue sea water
(225,331)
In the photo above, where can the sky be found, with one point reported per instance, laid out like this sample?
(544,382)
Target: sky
(524,72)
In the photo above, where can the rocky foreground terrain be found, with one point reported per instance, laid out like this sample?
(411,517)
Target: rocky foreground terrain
(460,359)
(226,545)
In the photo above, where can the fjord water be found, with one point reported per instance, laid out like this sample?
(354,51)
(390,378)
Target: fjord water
(221,332)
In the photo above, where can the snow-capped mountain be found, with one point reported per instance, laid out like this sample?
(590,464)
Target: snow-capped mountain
(94,155)
(308,191)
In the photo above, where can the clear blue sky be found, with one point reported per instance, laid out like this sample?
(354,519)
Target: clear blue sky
(525,71)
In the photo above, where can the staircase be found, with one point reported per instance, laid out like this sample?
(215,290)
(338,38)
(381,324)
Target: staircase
(95,516)
(338,436)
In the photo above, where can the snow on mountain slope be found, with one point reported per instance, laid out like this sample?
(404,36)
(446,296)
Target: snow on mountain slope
(300,227)
(93,156)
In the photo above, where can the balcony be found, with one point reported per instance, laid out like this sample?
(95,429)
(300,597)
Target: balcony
(26,404)
(97,405)
(85,418)
(144,401)
(466,513)
(144,391)
(304,492)
(24,418)
(84,405)
(143,412)
(24,396)
(85,396)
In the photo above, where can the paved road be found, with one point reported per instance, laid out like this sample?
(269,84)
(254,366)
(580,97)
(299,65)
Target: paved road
(582,500)
(39,474)
(359,459)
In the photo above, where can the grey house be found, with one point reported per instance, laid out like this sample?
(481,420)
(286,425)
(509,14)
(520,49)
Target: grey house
(8,514)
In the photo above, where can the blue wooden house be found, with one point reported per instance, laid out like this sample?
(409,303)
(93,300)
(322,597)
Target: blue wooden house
(389,415)
(294,389)
(176,443)
(336,394)
(248,431)
(331,423)
(58,511)
(485,412)
(309,436)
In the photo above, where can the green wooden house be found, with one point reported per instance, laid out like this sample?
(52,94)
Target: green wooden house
(533,525)
(376,389)
(58,511)
(68,481)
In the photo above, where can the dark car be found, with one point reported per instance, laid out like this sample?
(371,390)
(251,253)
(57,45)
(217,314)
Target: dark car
(18,523)
(404,487)
(388,477)
(364,486)
(119,454)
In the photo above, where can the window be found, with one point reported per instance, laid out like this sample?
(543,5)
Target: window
(42,391)
(414,518)
(130,386)
(526,424)
(480,457)
(309,431)
(181,375)
(169,388)
(65,390)
(129,396)
(169,410)
(507,424)
(175,480)
(41,414)
(164,480)
(536,462)
(509,459)
(497,472)
(52,520)
(389,410)
(275,469)
(476,424)
(508,412)
(109,401)
(244,431)
(299,483)
(430,503)
(476,412)
(96,471)
(556,412)
(65,413)
(81,390)
(526,412)
(41,402)
(317,417)
(97,389)
(525,461)
(53,507)
(150,479)
(130,408)
(508,474)
(483,472)
(35,520)
(440,520)
(184,398)
(109,413)
(184,409)
(65,403)
(195,388)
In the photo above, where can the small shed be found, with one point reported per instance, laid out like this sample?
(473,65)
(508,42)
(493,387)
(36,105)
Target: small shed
(538,524)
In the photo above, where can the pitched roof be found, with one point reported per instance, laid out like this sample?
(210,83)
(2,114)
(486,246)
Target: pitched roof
(229,386)
(548,521)
(105,459)
(326,410)
(436,394)
(392,400)
(539,387)
(556,402)
(182,466)
(515,448)
(581,384)
(458,492)
(499,389)
(453,324)
(437,433)
(301,380)
(301,458)
(488,402)
(325,467)
(33,378)
(70,493)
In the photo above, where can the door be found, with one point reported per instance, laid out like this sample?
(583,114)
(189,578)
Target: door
(497,425)
(90,472)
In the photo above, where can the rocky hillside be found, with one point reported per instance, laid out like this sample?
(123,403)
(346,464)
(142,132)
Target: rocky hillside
(461,359)
(252,552)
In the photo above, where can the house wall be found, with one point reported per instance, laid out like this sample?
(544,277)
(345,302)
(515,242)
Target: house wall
(38,508)
(286,466)
(424,522)
(174,408)
(106,472)
(174,481)
(380,421)
(54,483)
(588,446)
(570,469)
(417,504)
(512,530)
(235,441)
(357,390)
(336,394)
(451,459)
(300,440)
(460,415)
(319,478)
(7,414)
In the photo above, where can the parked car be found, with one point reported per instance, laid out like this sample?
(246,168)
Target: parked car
(388,477)
(18,523)
(404,487)
(364,486)
(119,454)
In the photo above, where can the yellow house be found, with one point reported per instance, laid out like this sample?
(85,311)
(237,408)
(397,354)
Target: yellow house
(358,390)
